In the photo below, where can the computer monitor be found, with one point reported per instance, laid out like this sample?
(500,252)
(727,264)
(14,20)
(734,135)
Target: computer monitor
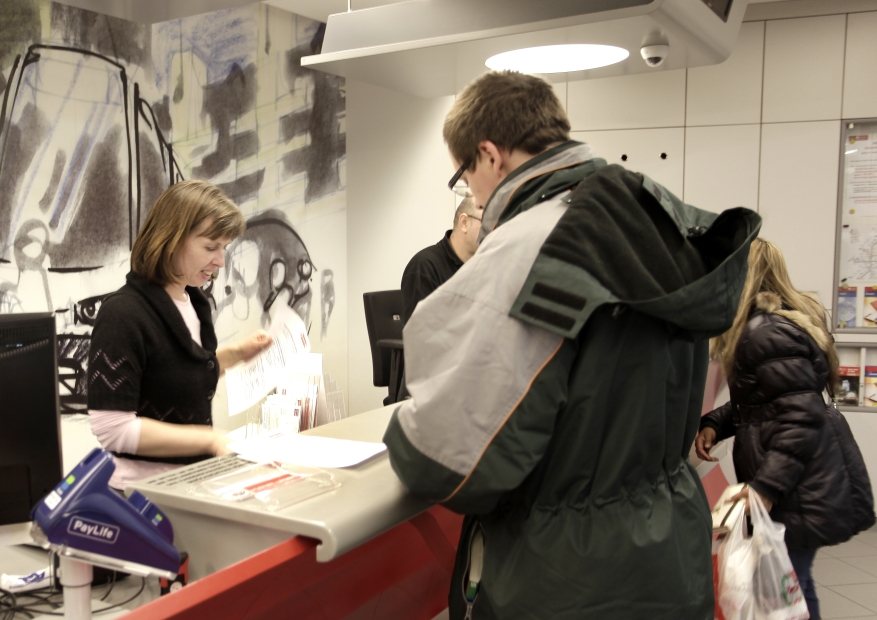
(30,426)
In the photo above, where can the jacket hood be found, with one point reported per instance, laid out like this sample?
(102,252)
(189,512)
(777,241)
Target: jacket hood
(626,240)
(707,305)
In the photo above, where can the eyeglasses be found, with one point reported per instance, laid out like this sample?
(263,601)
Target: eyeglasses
(457,184)
(472,217)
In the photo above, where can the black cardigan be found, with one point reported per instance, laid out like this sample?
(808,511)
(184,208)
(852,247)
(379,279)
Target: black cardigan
(789,446)
(143,359)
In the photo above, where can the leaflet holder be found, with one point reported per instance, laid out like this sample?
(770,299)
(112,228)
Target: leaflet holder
(87,523)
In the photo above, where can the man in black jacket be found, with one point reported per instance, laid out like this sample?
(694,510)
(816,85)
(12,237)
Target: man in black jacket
(433,266)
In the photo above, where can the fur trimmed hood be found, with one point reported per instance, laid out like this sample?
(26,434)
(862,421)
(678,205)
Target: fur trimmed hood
(771,303)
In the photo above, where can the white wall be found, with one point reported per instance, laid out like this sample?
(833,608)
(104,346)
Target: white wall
(397,204)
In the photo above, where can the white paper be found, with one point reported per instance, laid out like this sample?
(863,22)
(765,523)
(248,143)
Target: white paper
(861,175)
(858,251)
(307,450)
(247,383)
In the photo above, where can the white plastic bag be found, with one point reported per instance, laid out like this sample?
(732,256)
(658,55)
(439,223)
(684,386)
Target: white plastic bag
(756,578)
(778,595)
(736,565)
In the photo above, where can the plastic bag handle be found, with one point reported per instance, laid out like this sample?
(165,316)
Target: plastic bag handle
(757,510)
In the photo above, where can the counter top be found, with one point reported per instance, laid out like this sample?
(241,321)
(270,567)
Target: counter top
(369,501)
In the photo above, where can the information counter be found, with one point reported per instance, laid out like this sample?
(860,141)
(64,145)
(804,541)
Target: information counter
(364,544)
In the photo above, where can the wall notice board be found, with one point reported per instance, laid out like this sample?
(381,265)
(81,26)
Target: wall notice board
(855,302)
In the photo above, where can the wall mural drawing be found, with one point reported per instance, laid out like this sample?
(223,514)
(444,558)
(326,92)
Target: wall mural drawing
(268,264)
(100,115)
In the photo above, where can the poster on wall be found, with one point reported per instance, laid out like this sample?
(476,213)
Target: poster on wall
(100,115)
(855,303)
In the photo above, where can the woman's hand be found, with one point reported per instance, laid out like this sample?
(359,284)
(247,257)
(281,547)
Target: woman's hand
(243,350)
(746,493)
(250,347)
(704,442)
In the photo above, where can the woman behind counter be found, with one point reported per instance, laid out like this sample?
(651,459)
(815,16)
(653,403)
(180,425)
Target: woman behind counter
(154,363)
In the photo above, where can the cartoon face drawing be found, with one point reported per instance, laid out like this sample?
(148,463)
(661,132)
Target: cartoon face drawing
(268,265)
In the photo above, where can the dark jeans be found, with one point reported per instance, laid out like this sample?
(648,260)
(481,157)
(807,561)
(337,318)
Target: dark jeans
(802,562)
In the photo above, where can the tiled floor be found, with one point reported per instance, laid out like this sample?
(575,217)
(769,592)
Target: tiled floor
(846,578)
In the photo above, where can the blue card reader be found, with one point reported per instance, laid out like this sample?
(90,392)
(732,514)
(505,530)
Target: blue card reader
(84,518)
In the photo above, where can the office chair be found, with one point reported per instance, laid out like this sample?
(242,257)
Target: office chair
(383,319)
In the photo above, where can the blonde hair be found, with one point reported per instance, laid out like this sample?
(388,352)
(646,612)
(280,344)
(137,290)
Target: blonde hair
(769,288)
(179,210)
(512,110)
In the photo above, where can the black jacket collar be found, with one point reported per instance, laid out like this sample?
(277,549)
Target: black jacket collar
(157,298)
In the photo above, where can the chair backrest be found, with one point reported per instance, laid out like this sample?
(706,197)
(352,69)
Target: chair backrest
(383,319)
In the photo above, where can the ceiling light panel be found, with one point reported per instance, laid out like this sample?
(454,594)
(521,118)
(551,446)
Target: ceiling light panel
(557,58)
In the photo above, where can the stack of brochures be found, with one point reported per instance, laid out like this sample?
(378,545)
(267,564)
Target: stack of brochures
(849,385)
(281,412)
(301,392)
(726,512)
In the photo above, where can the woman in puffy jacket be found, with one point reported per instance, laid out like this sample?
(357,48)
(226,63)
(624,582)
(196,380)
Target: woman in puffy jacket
(793,449)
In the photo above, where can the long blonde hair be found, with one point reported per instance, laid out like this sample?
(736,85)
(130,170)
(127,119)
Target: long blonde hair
(769,288)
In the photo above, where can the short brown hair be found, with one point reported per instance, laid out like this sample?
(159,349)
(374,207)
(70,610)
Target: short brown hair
(513,110)
(179,210)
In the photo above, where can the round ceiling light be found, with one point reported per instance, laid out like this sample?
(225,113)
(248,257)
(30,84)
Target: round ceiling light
(557,58)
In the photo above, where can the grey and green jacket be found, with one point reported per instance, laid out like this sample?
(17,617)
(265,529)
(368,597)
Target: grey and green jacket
(556,385)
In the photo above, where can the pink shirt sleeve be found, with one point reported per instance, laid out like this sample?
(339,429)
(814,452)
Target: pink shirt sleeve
(117,431)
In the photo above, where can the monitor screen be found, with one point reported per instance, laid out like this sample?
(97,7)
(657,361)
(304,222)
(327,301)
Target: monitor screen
(30,436)
(722,8)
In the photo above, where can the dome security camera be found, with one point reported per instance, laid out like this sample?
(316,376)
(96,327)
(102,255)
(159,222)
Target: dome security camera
(654,55)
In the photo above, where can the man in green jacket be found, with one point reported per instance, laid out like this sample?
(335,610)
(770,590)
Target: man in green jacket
(556,380)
